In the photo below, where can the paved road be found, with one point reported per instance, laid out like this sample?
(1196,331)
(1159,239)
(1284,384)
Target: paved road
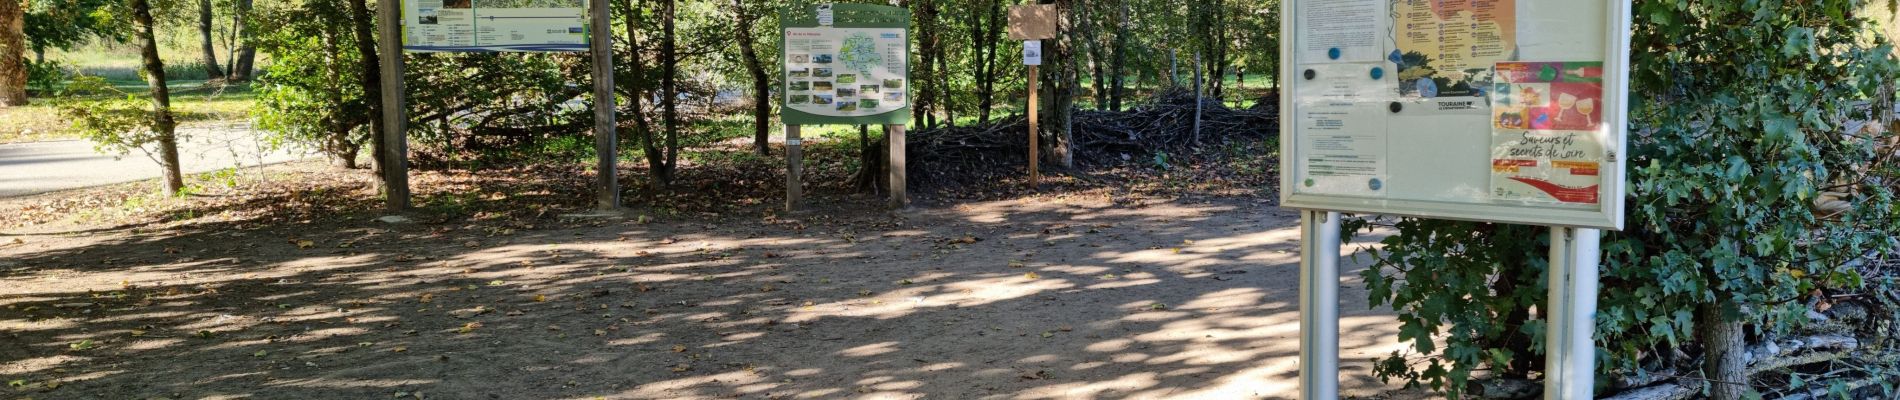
(32,168)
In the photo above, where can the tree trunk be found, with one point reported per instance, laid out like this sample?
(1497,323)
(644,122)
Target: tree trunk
(163,125)
(1116,68)
(669,88)
(639,89)
(1723,360)
(987,59)
(761,83)
(204,34)
(371,77)
(1060,74)
(12,53)
(246,57)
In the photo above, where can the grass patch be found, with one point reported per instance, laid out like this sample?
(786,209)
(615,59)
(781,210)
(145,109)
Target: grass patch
(192,103)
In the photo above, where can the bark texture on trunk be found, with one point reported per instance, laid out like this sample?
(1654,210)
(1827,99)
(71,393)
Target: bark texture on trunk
(12,53)
(669,89)
(638,90)
(761,83)
(163,125)
(1723,361)
(1060,72)
(205,40)
(245,63)
(371,77)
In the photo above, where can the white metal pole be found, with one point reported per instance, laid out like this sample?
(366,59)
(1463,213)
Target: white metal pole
(1570,351)
(1319,305)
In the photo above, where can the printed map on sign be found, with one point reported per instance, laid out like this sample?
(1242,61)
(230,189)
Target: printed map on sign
(1446,48)
(845,72)
(1546,118)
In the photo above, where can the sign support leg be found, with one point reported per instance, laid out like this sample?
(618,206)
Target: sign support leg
(1319,305)
(1569,351)
(605,139)
(794,166)
(900,195)
(395,155)
(1035,175)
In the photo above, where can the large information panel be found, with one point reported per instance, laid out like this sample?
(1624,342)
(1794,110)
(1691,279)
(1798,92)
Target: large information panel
(1506,111)
(845,64)
(494,25)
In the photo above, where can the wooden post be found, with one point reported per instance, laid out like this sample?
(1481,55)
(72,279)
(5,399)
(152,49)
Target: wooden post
(900,196)
(794,157)
(605,139)
(1035,148)
(395,111)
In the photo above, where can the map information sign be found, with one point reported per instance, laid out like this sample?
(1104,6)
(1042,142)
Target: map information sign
(494,25)
(852,71)
(1486,110)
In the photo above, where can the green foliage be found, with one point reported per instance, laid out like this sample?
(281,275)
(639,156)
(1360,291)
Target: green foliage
(311,92)
(1739,125)
(116,123)
(63,24)
(45,76)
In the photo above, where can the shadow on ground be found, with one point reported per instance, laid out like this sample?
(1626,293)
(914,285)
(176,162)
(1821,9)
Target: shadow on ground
(1041,299)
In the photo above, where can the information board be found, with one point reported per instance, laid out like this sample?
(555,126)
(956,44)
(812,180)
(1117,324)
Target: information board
(1507,111)
(845,64)
(494,25)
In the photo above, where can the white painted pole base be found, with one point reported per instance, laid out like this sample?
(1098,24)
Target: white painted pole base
(1570,351)
(1319,305)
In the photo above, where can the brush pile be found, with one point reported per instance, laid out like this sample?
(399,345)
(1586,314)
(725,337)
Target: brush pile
(960,155)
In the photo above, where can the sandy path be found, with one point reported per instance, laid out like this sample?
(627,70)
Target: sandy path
(1174,300)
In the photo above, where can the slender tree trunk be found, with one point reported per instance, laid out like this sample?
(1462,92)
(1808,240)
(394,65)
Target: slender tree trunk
(1059,57)
(162,123)
(1089,41)
(245,63)
(636,65)
(987,81)
(669,86)
(204,34)
(943,85)
(12,53)
(362,27)
(761,83)
(1723,361)
(1116,68)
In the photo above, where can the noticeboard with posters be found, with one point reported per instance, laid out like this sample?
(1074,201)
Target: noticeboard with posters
(1509,111)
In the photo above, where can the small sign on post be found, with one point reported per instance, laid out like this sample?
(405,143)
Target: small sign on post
(1032,52)
(1031,24)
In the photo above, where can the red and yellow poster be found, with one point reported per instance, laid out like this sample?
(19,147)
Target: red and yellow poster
(1547,118)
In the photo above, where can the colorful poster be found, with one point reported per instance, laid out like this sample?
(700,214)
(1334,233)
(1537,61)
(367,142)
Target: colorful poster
(846,72)
(1446,48)
(1547,118)
(494,25)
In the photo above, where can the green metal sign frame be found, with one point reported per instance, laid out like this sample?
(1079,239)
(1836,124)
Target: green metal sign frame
(805,15)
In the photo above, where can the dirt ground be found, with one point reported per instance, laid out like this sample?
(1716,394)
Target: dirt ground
(1053,297)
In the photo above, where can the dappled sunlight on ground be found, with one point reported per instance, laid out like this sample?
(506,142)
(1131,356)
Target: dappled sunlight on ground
(1006,300)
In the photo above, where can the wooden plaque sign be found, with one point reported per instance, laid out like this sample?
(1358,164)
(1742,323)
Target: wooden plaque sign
(1033,22)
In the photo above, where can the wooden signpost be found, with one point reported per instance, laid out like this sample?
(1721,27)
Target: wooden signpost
(1031,24)
(844,64)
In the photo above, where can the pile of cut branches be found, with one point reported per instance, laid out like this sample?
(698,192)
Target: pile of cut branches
(1163,127)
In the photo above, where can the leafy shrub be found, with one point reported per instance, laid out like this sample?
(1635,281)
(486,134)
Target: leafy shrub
(311,92)
(1738,129)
